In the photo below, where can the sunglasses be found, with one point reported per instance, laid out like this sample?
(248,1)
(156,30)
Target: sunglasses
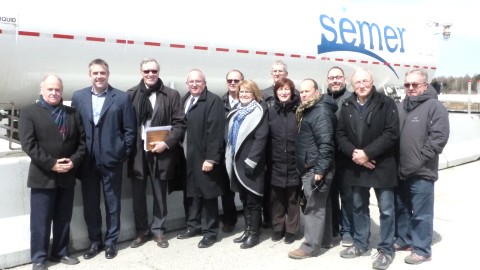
(153,71)
(414,85)
(233,81)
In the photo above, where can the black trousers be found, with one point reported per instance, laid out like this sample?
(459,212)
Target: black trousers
(202,215)
(229,216)
(50,209)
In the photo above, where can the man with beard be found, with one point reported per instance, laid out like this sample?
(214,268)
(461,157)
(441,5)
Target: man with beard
(341,213)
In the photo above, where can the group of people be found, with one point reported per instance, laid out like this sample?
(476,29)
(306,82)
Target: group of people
(272,147)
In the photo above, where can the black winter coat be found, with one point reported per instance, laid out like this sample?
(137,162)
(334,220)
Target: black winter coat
(315,143)
(379,140)
(281,163)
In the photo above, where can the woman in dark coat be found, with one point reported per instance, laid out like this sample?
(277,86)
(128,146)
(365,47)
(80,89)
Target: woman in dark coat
(285,180)
(247,134)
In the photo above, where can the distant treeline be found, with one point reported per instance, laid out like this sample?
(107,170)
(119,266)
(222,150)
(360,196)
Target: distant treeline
(455,85)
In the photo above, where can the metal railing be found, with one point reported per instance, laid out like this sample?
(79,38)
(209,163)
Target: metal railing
(11,126)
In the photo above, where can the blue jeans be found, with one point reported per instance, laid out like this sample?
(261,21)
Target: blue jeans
(361,217)
(414,214)
(346,210)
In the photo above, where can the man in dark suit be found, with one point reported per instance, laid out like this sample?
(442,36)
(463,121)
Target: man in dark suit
(203,146)
(110,127)
(52,135)
(155,105)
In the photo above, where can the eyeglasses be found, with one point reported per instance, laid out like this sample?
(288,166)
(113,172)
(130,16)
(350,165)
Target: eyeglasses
(242,92)
(414,85)
(331,78)
(192,82)
(148,71)
(364,82)
(233,81)
(278,71)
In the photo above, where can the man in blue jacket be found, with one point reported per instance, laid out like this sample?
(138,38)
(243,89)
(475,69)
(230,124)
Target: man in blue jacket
(110,127)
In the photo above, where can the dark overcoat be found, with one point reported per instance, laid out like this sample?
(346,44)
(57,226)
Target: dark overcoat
(250,147)
(205,129)
(281,164)
(43,143)
(168,111)
(378,140)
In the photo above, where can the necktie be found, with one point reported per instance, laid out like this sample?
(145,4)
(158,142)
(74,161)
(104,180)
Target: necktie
(192,101)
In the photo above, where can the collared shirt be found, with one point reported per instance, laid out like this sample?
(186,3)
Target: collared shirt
(148,123)
(191,101)
(232,101)
(97,104)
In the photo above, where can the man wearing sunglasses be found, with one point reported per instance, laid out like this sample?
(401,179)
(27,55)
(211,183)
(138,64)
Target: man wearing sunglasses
(155,105)
(424,129)
(230,100)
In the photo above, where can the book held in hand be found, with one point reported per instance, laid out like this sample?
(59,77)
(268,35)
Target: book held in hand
(155,134)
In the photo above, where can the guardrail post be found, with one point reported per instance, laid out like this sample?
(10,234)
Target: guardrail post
(469,97)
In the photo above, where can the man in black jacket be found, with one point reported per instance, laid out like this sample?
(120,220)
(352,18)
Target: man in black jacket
(204,148)
(52,135)
(367,134)
(314,153)
(155,105)
(341,214)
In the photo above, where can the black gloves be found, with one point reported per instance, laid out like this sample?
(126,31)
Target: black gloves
(248,169)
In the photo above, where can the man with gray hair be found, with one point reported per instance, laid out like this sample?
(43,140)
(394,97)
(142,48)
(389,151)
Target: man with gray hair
(367,134)
(279,71)
(52,135)
(424,129)
(155,105)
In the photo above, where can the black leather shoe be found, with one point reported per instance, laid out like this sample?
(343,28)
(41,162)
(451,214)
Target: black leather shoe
(39,266)
(161,241)
(110,252)
(139,241)
(65,260)
(290,238)
(188,234)
(243,237)
(91,252)
(277,236)
(207,242)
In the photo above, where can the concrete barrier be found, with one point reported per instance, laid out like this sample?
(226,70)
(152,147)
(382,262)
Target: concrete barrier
(15,213)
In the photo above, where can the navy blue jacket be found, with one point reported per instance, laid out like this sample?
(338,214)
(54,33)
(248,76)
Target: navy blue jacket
(113,138)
